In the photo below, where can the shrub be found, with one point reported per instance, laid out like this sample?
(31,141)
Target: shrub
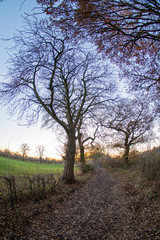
(21,187)
(149,165)
(84,168)
(117,162)
(10,183)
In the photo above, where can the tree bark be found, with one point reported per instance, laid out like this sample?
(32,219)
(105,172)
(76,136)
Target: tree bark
(68,174)
(82,157)
(126,154)
(81,147)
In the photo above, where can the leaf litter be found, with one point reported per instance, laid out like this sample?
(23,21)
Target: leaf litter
(106,207)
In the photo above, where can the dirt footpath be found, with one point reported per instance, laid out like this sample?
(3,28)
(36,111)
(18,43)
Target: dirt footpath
(101,209)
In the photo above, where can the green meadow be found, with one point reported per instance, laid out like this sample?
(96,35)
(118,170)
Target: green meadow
(17,167)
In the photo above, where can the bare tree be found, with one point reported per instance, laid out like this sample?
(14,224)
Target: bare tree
(40,152)
(96,153)
(84,135)
(127,31)
(24,149)
(88,129)
(48,76)
(132,120)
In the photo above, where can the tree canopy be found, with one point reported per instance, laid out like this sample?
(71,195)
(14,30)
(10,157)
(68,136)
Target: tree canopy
(49,77)
(127,31)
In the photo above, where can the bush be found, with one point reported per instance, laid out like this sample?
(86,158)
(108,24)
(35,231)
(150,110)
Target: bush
(117,162)
(34,187)
(84,168)
(134,157)
(11,191)
(149,165)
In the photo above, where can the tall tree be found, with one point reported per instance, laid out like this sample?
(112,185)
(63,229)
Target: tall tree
(131,120)
(40,152)
(96,153)
(48,76)
(24,149)
(83,136)
(128,31)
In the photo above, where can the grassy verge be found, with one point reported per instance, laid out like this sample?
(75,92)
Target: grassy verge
(143,174)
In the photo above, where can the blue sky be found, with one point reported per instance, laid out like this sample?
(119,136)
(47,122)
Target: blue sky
(13,135)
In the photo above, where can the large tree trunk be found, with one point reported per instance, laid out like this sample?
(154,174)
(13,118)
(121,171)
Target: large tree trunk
(126,154)
(81,148)
(68,174)
(82,157)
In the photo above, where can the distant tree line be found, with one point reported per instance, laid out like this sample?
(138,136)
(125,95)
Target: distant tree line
(8,154)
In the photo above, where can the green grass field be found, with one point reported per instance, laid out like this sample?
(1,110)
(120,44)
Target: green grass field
(17,167)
